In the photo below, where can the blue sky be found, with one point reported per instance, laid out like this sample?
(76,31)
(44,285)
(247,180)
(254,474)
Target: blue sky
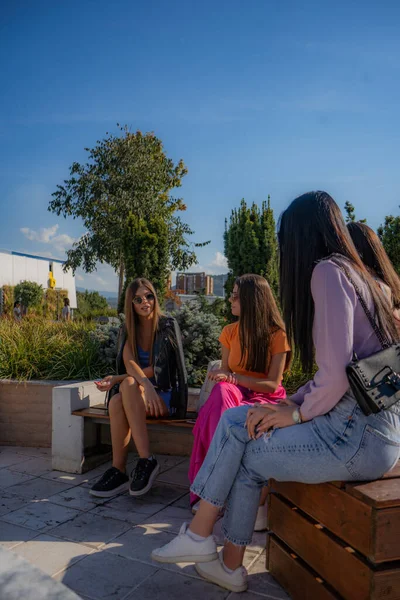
(259,97)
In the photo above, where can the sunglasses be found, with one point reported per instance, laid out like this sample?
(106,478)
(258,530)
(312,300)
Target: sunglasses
(138,300)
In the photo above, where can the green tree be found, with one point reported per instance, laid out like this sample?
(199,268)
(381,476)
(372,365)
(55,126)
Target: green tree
(389,234)
(89,302)
(250,243)
(29,293)
(123,190)
(351,213)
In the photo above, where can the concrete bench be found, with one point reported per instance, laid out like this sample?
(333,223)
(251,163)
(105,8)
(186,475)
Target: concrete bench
(80,430)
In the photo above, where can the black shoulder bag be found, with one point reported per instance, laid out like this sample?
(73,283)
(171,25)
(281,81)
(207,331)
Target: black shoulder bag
(374,380)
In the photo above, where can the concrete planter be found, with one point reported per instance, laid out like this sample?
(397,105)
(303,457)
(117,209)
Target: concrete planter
(26,412)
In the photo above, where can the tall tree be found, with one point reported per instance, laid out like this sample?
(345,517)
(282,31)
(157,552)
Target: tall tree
(351,213)
(389,234)
(250,243)
(126,177)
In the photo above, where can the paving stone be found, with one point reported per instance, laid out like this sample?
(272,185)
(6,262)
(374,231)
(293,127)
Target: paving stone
(105,577)
(33,466)
(91,530)
(10,478)
(67,478)
(11,458)
(35,452)
(77,497)
(125,504)
(10,502)
(258,542)
(138,544)
(11,534)
(21,580)
(169,462)
(40,515)
(170,519)
(176,476)
(131,516)
(37,488)
(183,502)
(51,554)
(160,493)
(168,586)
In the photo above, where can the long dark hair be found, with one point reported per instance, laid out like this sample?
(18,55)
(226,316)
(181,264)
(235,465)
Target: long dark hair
(131,317)
(259,319)
(311,229)
(374,256)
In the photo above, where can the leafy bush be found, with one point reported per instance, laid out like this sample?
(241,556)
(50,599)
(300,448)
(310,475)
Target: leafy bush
(8,299)
(29,293)
(106,336)
(35,348)
(295,378)
(200,333)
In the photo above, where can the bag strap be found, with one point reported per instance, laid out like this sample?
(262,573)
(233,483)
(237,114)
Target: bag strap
(382,338)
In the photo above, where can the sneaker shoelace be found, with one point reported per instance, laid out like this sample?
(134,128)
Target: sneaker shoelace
(142,469)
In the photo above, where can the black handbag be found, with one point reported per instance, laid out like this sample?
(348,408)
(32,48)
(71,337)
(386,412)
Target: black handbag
(374,380)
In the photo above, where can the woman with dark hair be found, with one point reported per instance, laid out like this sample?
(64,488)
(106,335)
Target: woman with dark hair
(255,353)
(374,257)
(318,435)
(151,381)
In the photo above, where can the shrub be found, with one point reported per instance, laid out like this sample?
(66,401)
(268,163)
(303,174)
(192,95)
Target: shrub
(8,299)
(200,333)
(35,348)
(29,293)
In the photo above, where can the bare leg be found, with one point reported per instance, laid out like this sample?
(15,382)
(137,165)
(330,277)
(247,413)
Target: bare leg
(205,519)
(233,555)
(135,412)
(120,432)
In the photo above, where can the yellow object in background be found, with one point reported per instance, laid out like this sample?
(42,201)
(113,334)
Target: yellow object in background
(52,281)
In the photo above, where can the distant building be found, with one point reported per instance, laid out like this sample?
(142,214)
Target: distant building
(48,272)
(219,283)
(192,283)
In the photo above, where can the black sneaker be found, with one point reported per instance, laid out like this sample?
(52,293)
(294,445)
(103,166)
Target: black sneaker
(111,483)
(143,476)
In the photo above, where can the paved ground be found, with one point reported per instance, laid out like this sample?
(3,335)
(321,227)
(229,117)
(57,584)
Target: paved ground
(101,549)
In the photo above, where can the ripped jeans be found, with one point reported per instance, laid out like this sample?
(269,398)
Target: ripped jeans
(343,445)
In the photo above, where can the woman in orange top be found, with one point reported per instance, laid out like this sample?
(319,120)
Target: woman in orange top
(255,354)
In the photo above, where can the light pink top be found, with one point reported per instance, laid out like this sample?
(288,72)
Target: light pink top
(340,326)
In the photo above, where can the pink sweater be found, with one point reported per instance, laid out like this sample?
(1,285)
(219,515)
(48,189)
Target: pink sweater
(340,326)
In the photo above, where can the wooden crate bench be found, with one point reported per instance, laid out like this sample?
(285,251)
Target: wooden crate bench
(336,540)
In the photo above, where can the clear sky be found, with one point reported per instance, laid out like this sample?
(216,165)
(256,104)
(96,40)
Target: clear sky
(258,97)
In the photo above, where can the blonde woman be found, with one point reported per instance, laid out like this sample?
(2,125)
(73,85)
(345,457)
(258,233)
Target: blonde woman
(151,381)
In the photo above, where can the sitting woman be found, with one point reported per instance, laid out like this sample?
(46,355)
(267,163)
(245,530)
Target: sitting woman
(374,256)
(151,382)
(320,434)
(255,354)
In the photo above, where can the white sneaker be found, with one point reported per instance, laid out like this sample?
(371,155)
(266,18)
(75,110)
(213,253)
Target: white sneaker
(261,521)
(215,572)
(184,549)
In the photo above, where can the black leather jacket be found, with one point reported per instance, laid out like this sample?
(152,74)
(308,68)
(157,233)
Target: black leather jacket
(168,363)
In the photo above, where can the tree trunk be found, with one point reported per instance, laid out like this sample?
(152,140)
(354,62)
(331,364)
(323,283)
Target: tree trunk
(121,280)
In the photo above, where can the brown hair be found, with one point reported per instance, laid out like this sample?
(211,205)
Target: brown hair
(259,319)
(310,230)
(374,256)
(131,317)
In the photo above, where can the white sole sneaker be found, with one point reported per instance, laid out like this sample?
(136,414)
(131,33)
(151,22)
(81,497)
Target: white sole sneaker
(148,486)
(111,493)
(215,573)
(195,507)
(186,550)
(261,523)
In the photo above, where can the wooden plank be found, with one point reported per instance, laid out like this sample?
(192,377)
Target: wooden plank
(395,472)
(93,412)
(294,575)
(383,493)
(345,571)
(387,535)
(387,585)
(341,513)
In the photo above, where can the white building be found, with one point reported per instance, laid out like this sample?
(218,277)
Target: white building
(16,267)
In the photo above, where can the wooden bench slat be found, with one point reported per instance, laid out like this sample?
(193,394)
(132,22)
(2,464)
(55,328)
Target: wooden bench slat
(383,493)
(99,411)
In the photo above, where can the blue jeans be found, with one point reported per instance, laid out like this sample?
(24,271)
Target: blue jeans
(343,445)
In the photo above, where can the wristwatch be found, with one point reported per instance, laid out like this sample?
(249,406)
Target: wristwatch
(296,416)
